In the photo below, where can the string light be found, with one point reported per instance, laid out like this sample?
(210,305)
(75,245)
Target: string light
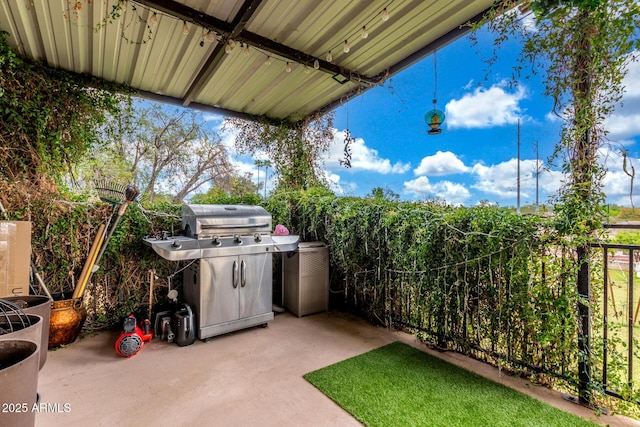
(385,15)
(364,33)
(210,36)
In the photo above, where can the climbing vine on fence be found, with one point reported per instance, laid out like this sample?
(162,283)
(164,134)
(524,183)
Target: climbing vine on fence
(482,280)
(49,117)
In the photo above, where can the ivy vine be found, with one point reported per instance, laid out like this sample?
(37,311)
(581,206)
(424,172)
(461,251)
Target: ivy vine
(49,117)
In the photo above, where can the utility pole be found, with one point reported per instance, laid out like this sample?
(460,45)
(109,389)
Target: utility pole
(266,175)
(518,202)
(267,163)
(258,164)
(537,174)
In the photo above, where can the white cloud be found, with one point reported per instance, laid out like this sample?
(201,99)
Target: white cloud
(363,158)
(338,186)
(485,108)
(625,122)
(452,193)
(617,183)
(212,117)
(244,165)
(502,179)
(632,79)
(227,137)
(528,22)
(441,163)
(552,117)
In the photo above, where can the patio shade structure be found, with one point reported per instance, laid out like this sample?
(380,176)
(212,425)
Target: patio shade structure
(281,59)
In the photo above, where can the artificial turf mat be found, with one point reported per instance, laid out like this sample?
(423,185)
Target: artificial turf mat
(398,385)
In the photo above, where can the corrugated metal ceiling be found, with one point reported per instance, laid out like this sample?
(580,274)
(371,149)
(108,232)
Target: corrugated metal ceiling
(171,56)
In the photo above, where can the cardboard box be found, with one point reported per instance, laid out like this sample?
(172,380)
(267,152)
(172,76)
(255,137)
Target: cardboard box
(15,257)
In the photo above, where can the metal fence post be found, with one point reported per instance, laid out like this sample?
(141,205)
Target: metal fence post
(584,294)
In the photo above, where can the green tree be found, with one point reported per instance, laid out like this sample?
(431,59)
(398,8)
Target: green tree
(383,194)
(295,149)
(160,149)
(241,191)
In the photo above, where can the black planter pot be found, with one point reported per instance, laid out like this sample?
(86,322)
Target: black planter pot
(39,305)
(19,366)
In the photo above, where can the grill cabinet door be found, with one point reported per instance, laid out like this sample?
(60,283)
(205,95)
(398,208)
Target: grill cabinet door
(219,296)
(255,285)
(229,293)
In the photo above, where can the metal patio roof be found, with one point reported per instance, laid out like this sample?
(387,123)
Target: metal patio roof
(214,55)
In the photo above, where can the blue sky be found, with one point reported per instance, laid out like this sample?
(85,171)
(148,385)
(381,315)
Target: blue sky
(475,157)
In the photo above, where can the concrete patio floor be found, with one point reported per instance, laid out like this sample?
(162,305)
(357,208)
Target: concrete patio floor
(247,378)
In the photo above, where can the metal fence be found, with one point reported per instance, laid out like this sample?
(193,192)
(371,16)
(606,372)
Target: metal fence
(467,294)
(620,310)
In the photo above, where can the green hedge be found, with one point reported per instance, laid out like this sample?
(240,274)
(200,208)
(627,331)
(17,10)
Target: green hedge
(482,280)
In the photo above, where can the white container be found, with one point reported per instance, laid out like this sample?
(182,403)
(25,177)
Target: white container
(306,279)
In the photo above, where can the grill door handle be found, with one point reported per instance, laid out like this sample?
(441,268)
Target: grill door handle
(243,273)
(235,274)
(225,226)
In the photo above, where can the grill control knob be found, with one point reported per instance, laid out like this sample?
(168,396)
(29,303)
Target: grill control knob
(237,239)
(257,237)
(216,241)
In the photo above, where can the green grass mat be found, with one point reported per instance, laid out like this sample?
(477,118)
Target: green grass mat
(398,385)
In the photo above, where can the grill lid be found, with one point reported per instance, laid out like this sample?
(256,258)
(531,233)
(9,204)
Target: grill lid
(221,230)
(202,221)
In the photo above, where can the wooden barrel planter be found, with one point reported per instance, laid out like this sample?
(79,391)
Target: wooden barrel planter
(19,366)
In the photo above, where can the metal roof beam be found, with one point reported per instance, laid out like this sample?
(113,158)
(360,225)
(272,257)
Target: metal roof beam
(245,13)
(303,58)
(247,10)
(185,13)
(417,56)
(195,105)
(236,31)
(440,42)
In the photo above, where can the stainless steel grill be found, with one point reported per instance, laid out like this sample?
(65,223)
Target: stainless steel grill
(229,286)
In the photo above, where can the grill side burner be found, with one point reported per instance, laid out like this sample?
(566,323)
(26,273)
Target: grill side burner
(229,286)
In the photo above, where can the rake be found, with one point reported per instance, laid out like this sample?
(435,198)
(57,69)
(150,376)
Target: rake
(120,197)
(114,193)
